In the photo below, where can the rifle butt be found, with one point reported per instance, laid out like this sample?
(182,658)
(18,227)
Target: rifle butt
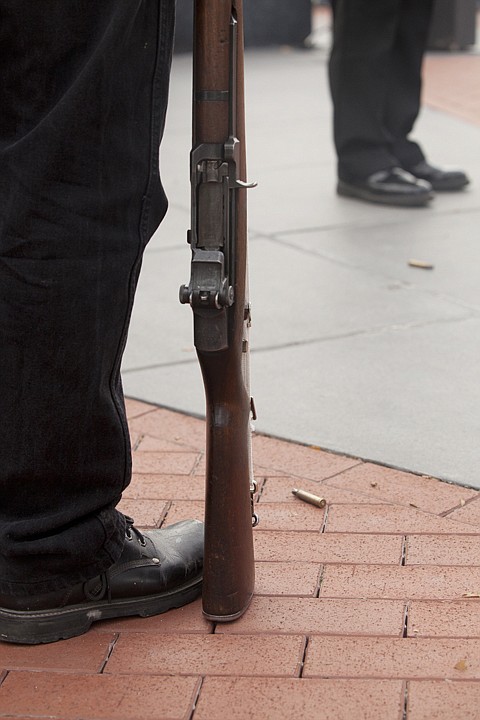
(229,574)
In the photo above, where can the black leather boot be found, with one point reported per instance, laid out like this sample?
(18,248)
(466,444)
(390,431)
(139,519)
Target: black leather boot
(440,180)
(389,187)
(157,570)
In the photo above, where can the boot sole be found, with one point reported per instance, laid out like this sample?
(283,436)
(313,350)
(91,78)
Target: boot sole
(450,186)
(346,190)
(46,626)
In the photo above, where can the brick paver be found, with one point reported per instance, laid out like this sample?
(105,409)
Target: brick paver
(332,616)
(442,549)
(85,654)
(380,581)
(233,655)
(434,658)
(223,698)
(278,578)
(177,463)
(106,697)
(443,700)
(327,547)
(184,509)
(468,514)
(453,619)
(165,487)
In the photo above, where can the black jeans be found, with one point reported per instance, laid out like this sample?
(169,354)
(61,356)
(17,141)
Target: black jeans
(375,81)
(83,97)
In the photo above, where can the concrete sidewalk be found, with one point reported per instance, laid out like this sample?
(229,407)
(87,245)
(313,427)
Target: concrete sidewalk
(353,349)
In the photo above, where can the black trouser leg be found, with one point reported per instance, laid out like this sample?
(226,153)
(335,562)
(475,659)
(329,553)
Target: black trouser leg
(82,107)
(403,99)
(374,75)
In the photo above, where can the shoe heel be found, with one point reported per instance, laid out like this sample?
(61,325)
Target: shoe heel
(38,628)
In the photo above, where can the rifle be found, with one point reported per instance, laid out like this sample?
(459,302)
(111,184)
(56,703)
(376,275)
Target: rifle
(218,295)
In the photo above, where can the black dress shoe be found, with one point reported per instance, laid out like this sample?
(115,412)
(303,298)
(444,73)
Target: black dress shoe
(389,187)
(441,180)
(157,570)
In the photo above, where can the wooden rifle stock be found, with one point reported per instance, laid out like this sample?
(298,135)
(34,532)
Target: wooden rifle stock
(218,294)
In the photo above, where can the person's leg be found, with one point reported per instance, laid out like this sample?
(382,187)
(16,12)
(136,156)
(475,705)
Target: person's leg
(363,38)
(403,94)
(360,81)
(403,102)
(82,106)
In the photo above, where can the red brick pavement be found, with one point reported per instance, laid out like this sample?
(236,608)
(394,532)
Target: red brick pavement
(368,608)
(451,84)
